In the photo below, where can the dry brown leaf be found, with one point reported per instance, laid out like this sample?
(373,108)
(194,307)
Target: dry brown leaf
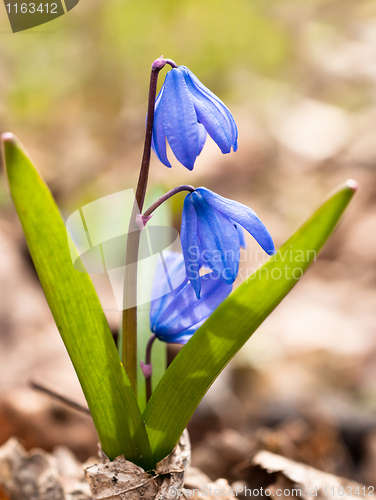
(218,490)
(195,478)
(37,475)
(120,479)
(309,481)
(198,485)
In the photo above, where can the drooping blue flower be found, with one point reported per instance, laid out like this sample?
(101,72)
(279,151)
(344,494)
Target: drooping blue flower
(185,110)
(177,314)
(210,235)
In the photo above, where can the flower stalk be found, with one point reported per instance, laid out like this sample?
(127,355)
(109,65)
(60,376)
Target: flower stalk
(147,367)
(165,197)
(129,320)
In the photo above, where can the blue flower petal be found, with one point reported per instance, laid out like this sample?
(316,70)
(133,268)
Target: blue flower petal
(185,335)
(185,311)
(189,244)
(219,240)
(241,235)
(199,90)
(214,122)
(242,215)
(179,119)
(169,275)
(208,113)
(180,337)
(158,142)
(202,134)
(185,111)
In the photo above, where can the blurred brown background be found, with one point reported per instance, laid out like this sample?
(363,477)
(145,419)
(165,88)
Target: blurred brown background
(300,80)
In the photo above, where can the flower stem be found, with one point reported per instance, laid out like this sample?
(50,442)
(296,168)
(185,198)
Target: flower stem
(129,320)
(147,367)
(165,197)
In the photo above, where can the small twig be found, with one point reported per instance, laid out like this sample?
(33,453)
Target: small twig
(59,397)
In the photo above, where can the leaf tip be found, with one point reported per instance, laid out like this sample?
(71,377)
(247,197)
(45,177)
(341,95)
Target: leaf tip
(11,149)
(353,185)
(7,135)
(10,142)
(9,138)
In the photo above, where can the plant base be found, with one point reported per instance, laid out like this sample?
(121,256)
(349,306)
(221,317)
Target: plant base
(120,479)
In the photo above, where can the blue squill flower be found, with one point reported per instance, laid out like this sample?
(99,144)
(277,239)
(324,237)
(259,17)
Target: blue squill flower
(177,314)
(210,235)
(185,110)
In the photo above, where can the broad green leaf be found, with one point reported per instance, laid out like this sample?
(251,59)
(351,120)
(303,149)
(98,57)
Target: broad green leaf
(78,314)
(210,349)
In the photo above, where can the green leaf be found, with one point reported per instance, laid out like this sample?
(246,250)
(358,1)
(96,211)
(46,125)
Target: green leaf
(78,314)
(210,349)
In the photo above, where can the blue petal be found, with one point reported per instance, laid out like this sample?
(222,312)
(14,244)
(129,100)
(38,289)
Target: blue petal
(185,311)
(181,337)
(201,137)
(169,278)
(158,142)
(179,119)
(185,335)
(199,90)
(214,122)
(241,235)
(242,215)
(219,240)
(189,244)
